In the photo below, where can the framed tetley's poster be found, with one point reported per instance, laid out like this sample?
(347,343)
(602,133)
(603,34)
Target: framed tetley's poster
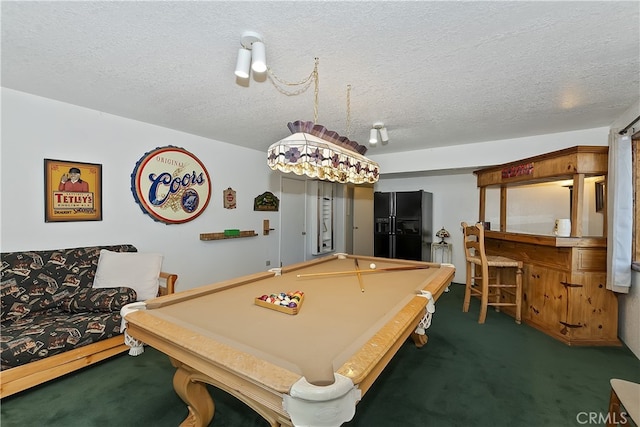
(171,185)
(72,191)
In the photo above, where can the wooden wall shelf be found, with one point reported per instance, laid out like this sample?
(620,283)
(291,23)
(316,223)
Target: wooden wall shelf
(221,236)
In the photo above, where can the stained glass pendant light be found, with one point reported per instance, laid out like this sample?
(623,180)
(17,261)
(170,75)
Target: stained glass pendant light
(317,152)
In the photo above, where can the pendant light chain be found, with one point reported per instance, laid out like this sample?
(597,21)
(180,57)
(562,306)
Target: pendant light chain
(281,84)
(316,78)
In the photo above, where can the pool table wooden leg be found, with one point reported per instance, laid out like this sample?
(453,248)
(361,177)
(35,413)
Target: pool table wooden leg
(419,340)
(195,395)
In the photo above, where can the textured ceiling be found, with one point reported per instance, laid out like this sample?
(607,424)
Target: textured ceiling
(436,73)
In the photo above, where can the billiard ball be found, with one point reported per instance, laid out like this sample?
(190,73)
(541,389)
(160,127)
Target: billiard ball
(372,266)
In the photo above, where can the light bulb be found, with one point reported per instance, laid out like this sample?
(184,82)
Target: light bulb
(243,64)
(383,135)
(259,57)
(373,137)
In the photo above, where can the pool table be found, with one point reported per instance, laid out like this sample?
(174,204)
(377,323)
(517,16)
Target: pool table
(309,368)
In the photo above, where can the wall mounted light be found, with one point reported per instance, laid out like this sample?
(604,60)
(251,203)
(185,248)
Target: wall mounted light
(251,56)
(378,133)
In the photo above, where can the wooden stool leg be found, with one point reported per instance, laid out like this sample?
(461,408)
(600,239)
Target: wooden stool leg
(467,290)
(498,282)
(518,295)
(484,300)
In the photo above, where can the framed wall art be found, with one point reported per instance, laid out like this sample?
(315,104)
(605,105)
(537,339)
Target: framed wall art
(72,191)
(229,198)
(267,201)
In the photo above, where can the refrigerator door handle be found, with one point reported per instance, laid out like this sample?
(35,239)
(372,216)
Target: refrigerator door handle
(392,246)
(392,204)
(392,225)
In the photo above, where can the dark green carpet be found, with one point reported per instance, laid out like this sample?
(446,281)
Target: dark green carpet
(496,374)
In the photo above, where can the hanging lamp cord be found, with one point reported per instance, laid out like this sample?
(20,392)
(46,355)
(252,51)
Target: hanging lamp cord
(349,111)
(302,86)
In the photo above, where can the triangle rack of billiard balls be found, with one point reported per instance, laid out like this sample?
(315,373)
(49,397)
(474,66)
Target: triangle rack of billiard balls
(284,302)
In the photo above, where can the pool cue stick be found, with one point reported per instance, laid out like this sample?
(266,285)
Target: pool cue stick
(377,270)
(359,275)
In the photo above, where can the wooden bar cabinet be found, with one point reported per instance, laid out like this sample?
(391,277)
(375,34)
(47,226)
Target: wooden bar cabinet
(564,292)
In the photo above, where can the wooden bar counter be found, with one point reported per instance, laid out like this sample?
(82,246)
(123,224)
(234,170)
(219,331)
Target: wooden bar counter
(564,278)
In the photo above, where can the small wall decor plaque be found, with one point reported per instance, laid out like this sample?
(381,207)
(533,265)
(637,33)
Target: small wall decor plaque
(229,198)
(171,185)
(73,191)
(266,202)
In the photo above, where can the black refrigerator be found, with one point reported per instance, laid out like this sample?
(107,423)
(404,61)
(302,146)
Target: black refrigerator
(403,225)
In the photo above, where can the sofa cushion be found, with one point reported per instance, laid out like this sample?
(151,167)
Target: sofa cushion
(33,281)
(53,332)
(139,271)
(100,300)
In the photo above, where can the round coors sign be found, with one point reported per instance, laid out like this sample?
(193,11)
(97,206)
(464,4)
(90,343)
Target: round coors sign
(171,185)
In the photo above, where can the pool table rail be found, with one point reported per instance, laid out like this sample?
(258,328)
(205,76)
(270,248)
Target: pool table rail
(371,359)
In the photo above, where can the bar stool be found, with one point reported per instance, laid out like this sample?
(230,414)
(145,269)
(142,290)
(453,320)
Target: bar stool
(481,285)
(624,394)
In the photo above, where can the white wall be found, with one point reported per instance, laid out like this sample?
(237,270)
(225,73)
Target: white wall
(35,128)
(487,153)
(533,209)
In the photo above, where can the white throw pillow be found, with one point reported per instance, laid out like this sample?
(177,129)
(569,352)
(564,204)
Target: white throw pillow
(139,271)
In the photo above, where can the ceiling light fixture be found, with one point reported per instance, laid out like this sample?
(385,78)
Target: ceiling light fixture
(251,56)
(317,152)
(373,136)
(258,57)
(378,133)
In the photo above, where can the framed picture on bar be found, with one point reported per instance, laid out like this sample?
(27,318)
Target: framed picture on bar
(72,191)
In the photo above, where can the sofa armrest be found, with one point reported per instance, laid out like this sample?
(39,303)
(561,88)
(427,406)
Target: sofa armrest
(98,300)
(170,282)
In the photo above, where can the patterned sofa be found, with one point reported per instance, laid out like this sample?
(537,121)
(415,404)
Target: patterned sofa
(53,321)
